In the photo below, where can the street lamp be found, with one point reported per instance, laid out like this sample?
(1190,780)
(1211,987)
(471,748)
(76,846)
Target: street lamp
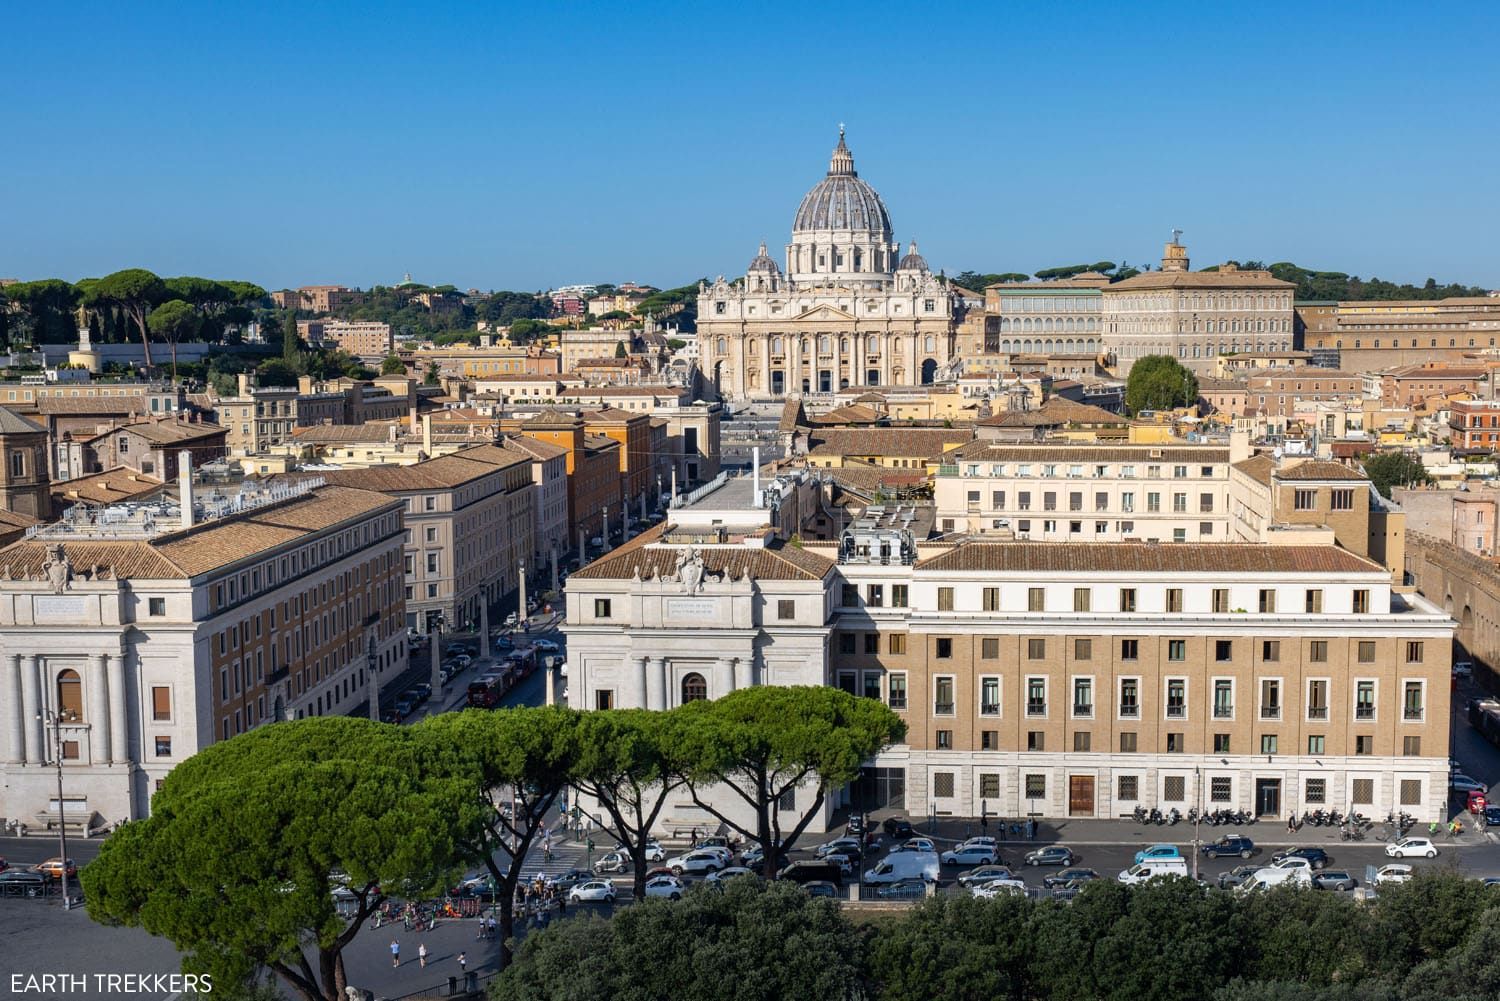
(1197,814)
(55,720)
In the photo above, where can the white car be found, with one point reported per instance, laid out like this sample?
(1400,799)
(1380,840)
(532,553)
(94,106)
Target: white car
(597,890)
(725,855)
(1411,848)
(1292,862)
(970,855)
(987,842)
(706,860)
(664,886)
(613,862)
(546,646)
(729,873)
(1392,874)
(916,845)
(1459,782)
(996,887)
(654,852)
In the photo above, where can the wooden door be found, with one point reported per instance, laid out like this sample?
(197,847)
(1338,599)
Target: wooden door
(1080,795)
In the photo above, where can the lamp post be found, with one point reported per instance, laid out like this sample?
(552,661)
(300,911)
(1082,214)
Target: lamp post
(435,648)
(1197,815)
(55,720)
(521,605)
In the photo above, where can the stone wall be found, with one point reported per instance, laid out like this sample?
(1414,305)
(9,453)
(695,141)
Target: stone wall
(1468,588)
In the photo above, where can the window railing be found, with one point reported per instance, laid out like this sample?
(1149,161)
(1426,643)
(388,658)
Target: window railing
(1176,712)
(1413,712)
(1223,712)
(1270,712)
(942,708)
(1036,707)
(989,709)
(897,702)
(1364,712)
(1317,712)
(1130,710)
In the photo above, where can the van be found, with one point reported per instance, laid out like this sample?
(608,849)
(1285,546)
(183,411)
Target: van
(905,865)
(1277,876)
(812,871)
(1151,868)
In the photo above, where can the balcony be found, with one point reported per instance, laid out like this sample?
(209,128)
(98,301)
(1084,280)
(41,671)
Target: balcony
(989,709)
(1317,712)
(1223,712)
(1412,713)
(1130,711)
(1035,708)
(1083,709)
(1176,712)
(942,708)
(1364,712)
(1270,712)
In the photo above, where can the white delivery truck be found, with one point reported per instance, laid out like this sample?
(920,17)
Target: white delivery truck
(905,865)
(1276,875)
(1151,868)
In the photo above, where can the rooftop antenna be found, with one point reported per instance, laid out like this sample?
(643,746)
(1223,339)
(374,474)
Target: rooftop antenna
(1176,235)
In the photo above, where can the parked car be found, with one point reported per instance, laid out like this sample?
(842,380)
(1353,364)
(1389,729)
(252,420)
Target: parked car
(1334,879)
(571,878)
(984,874)
(697,862)
(824,870)
(1463,669)
(969,855)
(22,883)
(52,868)
(1069,876)
(594,891)
(1152,852)
(897,828)
(1316,857)
(727,873)
(841,846)
(1232,844)
(613,862)
(997,887)
(423,690)
(1411,848)
(916,845)
(1460,783)
(546,646)
(1392,874)
(1070,889)
(1237,876)
(1491,816)
(402,708)
(1051,855)
(712,841)
(903,889)
(755,858)
(665,886)
(818,888)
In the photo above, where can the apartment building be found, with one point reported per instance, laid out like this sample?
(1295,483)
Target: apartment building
(24,480)
(150,446)
(1278,392)
(368,340)
(1085,493)
(469,524)
(1373,335)
(593,465)
(1410,385)
(1049,679)
(151,635)
(318,298)
(549,501)
(259,417)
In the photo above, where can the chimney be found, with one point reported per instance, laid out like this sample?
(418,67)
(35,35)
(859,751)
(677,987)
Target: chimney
(412,416)
(755,474)
(427,434)
(185,486)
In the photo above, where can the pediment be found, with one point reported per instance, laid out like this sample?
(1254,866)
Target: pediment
(823,311)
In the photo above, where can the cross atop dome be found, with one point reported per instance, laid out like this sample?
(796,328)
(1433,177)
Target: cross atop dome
(842,164)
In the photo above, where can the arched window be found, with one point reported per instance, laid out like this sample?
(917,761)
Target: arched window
(69,696)
(723,346)
(694,688)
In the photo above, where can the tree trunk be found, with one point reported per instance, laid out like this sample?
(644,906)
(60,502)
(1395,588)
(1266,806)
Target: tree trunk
(638,863)
(507,927)
(139,315)
(173,342)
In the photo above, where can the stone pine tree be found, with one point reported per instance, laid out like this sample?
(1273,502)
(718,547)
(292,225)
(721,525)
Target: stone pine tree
(1159,382)
(290,342)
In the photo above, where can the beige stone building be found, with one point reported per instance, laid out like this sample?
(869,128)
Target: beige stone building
(1370,336)
(1194,316)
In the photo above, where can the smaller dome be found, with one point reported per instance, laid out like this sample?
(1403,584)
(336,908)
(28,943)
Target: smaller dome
(913,261)
(764,263)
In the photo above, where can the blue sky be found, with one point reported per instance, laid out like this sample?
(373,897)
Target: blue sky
(524,146)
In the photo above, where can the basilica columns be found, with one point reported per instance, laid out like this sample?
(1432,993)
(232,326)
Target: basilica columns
(659,672)
(31,704)
(97,711)
(725,681)
(119,720)
(10,696)
(744,668)
(837,362)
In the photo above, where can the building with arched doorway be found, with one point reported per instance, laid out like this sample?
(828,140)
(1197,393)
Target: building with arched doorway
(848,310)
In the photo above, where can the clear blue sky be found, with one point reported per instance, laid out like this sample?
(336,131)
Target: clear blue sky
(523,146)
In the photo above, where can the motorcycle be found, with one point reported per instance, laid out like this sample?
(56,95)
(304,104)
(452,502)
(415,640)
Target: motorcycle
(1139,815)
(1175,816)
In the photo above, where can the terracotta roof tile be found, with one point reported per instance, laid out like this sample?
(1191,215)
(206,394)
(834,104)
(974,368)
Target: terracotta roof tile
(1257,467)
(920,442)
(1219,558)
(1199,279)
(110,487)
(778,563)
(1318,469)
(988,451)
(13,423)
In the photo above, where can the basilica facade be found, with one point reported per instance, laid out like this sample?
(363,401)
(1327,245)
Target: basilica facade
(848,310)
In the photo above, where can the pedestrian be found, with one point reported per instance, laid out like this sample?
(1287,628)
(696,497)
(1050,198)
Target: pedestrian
(695,836)
(1291,823)
(491,926)
(463,962)
(395,953)
(422,955)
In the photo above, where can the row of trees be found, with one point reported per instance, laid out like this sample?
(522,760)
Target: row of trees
(247,839)
(129,303)
(1434,939)
(976,280)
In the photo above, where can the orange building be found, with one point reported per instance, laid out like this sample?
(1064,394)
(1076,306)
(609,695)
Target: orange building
(633,433)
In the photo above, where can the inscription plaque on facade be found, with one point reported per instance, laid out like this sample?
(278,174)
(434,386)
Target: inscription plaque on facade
(59,608)
(691,608)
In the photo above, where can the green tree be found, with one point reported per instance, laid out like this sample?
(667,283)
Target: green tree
(433,376)
(291,341)
(627,762)
(44,311)
(134,292)
(762,743)
(508,767)
(172,321)
(248,840)
(1159,382)
(620,351)
(753,940)
(1395,469)
(391,365)
(954,949)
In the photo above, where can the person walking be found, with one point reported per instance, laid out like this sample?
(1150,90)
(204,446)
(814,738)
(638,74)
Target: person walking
(395,953)
(422,955)
(463,962)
